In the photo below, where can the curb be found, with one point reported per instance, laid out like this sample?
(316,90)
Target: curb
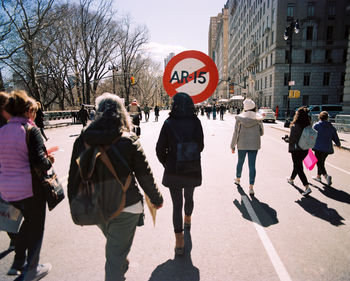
(287,131)
(57,125)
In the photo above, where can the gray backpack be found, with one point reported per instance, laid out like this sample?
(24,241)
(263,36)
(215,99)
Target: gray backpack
(308,138)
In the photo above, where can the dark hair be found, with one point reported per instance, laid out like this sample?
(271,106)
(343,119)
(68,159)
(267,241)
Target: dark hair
(18,103)
(4,98)
(323,116)
(301,117)
(182,106)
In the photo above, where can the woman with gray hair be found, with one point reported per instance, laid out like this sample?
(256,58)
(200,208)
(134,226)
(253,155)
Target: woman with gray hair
(113,127)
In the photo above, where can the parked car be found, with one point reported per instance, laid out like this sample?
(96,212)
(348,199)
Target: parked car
(267,113)
(332,109)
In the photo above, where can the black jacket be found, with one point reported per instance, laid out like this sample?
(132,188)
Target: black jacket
(295,133)
(39,119)
(191,129)
(102,132)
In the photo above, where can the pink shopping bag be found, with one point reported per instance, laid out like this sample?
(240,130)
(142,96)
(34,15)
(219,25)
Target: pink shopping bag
(310,160)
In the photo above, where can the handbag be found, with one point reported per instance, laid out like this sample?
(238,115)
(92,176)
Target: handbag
(53,189)
(10,217)
(310,160)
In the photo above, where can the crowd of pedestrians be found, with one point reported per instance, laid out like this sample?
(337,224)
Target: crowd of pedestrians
(112,127)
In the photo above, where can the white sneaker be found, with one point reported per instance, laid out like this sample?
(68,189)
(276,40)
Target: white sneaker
(251,191)
(307,191)
(317,179)
(37,273)
(329,180)
(237,181)
(290,181)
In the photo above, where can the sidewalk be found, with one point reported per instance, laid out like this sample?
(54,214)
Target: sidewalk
(344,137)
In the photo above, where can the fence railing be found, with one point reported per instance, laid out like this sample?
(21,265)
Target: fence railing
(342,122)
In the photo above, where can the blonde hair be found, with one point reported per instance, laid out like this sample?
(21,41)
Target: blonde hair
(19,103)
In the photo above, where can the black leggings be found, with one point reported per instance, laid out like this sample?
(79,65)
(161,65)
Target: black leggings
(298,169)
(176,196)
(321,159)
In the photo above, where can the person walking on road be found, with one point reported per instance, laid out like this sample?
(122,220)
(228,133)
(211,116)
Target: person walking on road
(39,120)
(300,121)
(222,109)
(214,112)
(83,115)
(146,111)
(156,113)
(135,113)
(326,133)
(246,136)
(182,124)
(113,123)
(22,188)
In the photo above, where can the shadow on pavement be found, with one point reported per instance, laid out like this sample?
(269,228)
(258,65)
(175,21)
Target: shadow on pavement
(5,253)
(180,268)
(333,193)
(267,216)
(319,209)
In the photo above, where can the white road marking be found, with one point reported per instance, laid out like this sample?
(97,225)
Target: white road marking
(340,169)
(270,249)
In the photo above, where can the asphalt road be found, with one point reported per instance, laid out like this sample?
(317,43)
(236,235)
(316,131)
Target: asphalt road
(276,235)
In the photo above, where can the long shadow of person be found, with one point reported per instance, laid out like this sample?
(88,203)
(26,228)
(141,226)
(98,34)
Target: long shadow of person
(5,253)
(178,269)
(333,193)
(319,209)
(266,215)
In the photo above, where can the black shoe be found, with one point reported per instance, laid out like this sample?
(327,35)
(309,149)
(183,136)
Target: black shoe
(16,268)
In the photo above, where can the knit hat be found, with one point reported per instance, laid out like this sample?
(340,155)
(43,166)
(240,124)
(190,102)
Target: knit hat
(248,104)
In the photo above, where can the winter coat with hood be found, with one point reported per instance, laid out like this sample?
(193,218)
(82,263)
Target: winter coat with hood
(326,133)
(103,131)
(190,128)
(247,132)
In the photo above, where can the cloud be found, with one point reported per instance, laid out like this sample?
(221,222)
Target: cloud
(158,52)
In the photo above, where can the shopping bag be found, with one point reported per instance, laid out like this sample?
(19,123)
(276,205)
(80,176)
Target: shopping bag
(310,160)
(10,217)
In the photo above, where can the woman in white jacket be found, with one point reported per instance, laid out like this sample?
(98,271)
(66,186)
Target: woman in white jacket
(247,133)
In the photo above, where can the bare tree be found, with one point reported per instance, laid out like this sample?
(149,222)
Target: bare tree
(130,46)
(20,50)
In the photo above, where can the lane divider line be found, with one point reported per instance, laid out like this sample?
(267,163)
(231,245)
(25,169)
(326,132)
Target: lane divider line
(270,249)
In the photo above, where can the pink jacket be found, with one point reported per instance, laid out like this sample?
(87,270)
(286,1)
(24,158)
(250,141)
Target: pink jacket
(15,175)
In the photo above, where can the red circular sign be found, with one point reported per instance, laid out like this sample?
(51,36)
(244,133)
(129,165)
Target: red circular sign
(193,73)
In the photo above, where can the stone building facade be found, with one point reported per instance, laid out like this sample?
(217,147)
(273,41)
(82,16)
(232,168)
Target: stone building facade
(259,57)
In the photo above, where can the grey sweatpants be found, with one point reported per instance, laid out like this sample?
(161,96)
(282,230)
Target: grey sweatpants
(119,233)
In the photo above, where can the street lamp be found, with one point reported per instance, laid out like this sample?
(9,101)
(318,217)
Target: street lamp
(113,68)
(288,36)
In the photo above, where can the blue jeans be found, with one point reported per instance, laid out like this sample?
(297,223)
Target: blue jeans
(251,163)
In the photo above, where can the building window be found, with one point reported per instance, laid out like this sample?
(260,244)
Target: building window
(326,76)
(307,56)
(271,60)
(266,62)
(287,57)
(267,42)
(331,10)
(286,79)
(307,79)
(329,34)
(342,79)
(265,82)
(324,99)
(309,32)
(310,9)
(290,10)
(271,37)
(271,80)
(306,100)
(328,56)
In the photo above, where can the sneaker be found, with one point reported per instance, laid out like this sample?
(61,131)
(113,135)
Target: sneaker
(317,179)
(37,273)
(307,191)
(329,180)
(237,181)
(290,181)
(16,268)
(251,191)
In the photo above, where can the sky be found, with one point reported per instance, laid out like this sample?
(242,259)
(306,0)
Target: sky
(174,26)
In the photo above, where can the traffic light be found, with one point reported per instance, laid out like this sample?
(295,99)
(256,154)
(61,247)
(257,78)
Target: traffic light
(132,80)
